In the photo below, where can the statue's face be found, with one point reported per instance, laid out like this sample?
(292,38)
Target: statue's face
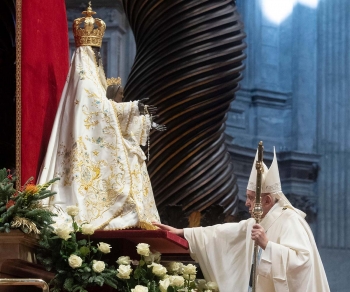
(119,95)
(97,54)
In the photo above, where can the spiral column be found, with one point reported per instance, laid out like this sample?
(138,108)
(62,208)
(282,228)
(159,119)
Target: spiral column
(188,63)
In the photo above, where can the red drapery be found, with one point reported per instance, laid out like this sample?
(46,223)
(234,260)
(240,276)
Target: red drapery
(44,62)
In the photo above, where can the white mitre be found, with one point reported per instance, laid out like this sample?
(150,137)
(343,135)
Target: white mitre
(272,181)
(272,185)
(252,179)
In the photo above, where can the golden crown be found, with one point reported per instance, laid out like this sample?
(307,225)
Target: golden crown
(89,35)
(114,81)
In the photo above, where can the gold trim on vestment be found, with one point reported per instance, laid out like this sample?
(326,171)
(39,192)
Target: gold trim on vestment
(119,212)
(142,225)
(18,91)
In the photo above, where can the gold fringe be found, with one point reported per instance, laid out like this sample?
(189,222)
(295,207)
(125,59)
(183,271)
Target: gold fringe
(148,226)
(143,225)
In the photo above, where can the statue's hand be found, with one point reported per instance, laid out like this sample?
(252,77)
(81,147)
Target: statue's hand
(159,128)
(151,109)
(156,126)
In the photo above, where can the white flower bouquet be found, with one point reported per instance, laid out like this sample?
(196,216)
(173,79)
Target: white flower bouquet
(148,275)
(77,263)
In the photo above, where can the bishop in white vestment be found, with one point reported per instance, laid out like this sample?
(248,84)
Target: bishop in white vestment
(289,259)
(95,145)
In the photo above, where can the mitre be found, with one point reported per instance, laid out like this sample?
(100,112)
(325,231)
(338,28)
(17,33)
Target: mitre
(272,181)
(252,179)
(272,185)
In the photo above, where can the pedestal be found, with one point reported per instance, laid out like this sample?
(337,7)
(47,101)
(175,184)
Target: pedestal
(17,260)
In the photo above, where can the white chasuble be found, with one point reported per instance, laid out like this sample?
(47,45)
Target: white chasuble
(290,262)
(95,150)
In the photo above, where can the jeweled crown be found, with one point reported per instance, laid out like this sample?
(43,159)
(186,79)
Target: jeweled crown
(114,81)
(92,32)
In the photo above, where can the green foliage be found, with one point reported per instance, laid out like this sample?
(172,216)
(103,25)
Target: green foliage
(22,209)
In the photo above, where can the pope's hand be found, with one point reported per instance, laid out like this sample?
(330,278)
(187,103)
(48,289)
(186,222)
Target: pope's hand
(179,232)
(259,236)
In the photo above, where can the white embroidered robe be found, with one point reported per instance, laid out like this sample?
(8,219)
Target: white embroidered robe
(95,150)
(290,262)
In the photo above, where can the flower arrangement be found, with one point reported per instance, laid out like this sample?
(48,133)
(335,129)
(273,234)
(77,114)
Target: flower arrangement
(22,209)
(78,263)
(148,275)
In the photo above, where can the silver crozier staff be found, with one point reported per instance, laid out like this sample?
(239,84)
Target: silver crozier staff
(257,208)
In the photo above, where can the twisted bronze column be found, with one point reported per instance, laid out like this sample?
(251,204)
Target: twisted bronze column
(188,62)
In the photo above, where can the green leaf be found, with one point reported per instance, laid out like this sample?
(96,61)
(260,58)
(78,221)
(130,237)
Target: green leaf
(99,280)
(87,269)
(82,242)
(84,250)
(171,289)
(75,226)
(68,283)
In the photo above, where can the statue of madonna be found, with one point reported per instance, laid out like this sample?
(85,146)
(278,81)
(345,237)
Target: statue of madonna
(95,143)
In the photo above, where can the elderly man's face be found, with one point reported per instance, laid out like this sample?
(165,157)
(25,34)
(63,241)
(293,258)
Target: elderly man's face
(250,201)
(266,202)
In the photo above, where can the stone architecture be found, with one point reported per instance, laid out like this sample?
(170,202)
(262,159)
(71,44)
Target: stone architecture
(294,96)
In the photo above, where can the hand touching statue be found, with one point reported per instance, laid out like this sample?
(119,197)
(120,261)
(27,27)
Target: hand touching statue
(179,232)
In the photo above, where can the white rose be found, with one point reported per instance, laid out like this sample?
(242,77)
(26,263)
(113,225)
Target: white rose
(156,256)
(124,261)
(72,210)
(208,290)
(139,288)
(164,284)
(74,261)
(189,269)
(124,272)
(153,257)
(158,269)
(63,231)
(98,266)
(174,267)
(189,277)
(104,247)
(177,281)
(87,229)
(201,284)
(143,249)
(212,286)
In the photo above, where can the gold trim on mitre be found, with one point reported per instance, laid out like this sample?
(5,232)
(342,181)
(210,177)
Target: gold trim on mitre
(89,35)
(114,81)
